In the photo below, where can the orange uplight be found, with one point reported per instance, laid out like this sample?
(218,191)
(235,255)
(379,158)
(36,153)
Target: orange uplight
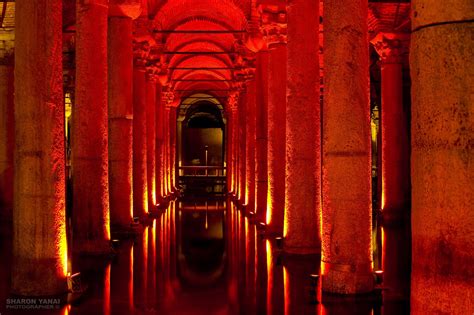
(382,233)
(107,223)
(66,309)
(285,226)
(269,214)
(286,286)
(61,245)
(269,277)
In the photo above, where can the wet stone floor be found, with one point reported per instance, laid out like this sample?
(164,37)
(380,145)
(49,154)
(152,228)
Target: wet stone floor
(208,258)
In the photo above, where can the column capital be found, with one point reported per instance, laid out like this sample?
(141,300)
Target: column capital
(273,24)
(141,50)
(125,8)
(233,100)
(168,97)
(391,47)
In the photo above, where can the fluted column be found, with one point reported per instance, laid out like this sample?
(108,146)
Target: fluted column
(39,222)
(90,184)
(347,210)
(151,139)
(140,168)
(442,168)
(120,101)
(250,141)
(276,137)
(261,169)
(7,142)
(395,144)
(303,136)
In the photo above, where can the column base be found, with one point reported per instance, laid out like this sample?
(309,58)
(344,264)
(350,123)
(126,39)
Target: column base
(293,250)
(346,279)
(37,277)
(126,231)
(93,248)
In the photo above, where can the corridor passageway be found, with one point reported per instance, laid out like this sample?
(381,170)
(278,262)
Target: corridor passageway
(236,156)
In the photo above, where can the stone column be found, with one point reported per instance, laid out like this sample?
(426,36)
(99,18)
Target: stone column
(140,168)
(276,137)
(261,183)
(233,141)
(303,136)
(89,161)
(442,169)
(7,143)
(120,101)
(166,157)
(346,265)
(242,147)
(395,148)
(151,139)
(250,141)
(159,143)
(230,113)
(172,128)
(39,222)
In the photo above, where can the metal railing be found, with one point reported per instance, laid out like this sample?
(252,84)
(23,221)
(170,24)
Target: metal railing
(202,181)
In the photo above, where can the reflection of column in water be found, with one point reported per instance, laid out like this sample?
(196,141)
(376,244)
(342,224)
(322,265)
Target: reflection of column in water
(396,261)
(151,284)
(107,290)
(121,286)
(250,295)
(140,267)
(296,280)
(231,237)
(261,277)
(173,247)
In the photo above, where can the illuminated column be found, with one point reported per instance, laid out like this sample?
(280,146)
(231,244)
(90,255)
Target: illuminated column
(261,183)
(140,168)
(159,143)
(173,129)
(90,185)
(395,148)
(250,139)
(276,134)
(120,101)
(242,146)
(172,133)
(7,142)
(39,230)
(151,139)
(234,127)
(442,168)
(166,140)
(303,136)
(231,142)
(347,217)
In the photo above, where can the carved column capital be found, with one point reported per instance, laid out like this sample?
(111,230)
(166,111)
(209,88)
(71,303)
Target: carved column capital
(391,47)
(233,100)
(273,25)
(141,50)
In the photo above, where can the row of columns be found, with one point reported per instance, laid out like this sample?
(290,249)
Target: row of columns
(314,173)
(122,149)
